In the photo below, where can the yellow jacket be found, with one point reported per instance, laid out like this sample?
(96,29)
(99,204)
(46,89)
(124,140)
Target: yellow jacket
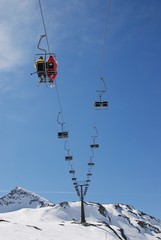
(38,61)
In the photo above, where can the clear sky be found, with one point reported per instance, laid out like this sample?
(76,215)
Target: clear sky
(127,164)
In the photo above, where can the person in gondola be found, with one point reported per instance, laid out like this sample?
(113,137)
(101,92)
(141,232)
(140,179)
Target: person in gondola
(51,66)
(40,66)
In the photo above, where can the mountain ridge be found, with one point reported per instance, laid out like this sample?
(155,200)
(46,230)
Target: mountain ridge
(19,198)
(48,221)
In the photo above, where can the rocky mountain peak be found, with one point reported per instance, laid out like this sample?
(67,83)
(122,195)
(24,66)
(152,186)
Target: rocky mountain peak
(21,198)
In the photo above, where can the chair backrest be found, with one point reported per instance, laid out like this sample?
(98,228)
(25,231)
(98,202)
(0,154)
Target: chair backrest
(50,65)
(40,66)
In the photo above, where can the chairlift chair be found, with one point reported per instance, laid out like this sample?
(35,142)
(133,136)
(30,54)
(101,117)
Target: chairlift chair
(89,174)
(49,67)
(94,145)
(74,179)
(42,67)
(62,133)
(68,158)
(101,104)
(41,70)
(71,171)
(91,164)
(88,180)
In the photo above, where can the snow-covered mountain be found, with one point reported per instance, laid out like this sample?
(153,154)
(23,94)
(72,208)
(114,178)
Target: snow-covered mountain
(20,198)
(62,221)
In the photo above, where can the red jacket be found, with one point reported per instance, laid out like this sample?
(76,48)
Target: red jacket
(51,68)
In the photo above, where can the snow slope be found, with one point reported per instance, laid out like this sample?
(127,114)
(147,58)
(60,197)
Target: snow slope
(62,221)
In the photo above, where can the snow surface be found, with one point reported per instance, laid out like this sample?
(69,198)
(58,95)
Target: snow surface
(62,221)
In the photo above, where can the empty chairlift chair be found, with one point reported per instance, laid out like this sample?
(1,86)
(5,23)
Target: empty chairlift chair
(94,144)
(72,171)
(62,133)
(99,104)
(74,179)
(68,157)
(89,174)
(90,164)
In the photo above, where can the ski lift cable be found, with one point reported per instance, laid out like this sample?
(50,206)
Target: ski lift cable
(72,171)
(101,90)
(66,148)
(45,31)
(92,156)
(58,119)
(43,21)
(102,85)
(58,95)
(99,104)
(104,39)
(96,133)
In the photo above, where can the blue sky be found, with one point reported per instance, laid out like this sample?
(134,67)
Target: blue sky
(127,164)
